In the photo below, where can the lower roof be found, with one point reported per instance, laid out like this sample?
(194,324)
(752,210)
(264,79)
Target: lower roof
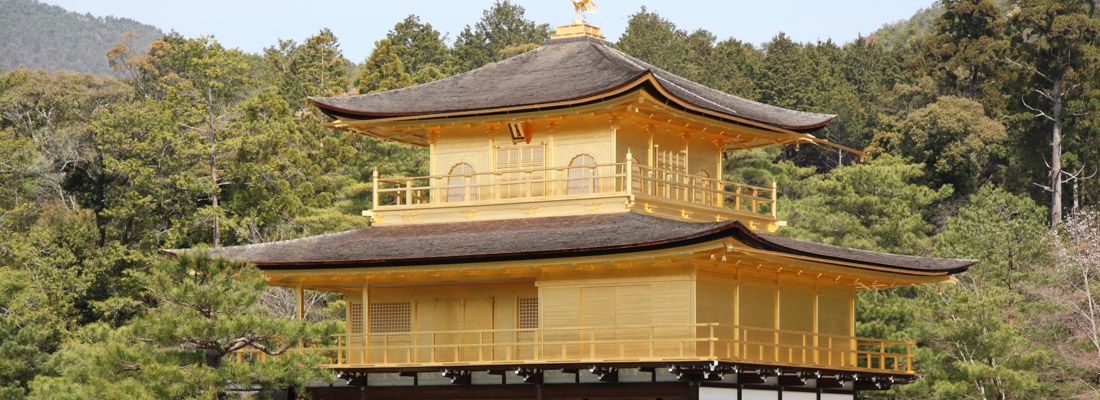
(540,238)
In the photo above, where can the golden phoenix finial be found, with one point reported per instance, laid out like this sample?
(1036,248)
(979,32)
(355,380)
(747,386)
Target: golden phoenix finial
(582,6)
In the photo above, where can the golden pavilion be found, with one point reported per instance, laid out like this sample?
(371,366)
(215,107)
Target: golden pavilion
(575,239)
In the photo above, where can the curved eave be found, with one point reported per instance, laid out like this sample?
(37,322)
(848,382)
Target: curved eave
(735,230)
(638,83)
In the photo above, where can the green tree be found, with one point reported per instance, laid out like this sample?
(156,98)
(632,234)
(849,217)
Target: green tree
(282,172)
(878,205)
(658,41)
(954,139)
(731,66)
(383,70)
(421,48)
(49,116)
(501,26)
(202,80)
(205,310)
(785,80)
(317,67)
(984,337)
(969,48)
(1053,44)
(31,329)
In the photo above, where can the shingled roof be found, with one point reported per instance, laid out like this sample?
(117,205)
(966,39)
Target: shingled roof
(561,70)
(535,238)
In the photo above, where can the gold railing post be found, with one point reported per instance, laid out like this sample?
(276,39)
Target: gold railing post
(629,184)
(882,355)
(466,181)
(755,195)
(339,351)
(909,357)
(374,189)
(775,197)
(737,197)
(711,339)
(408,192)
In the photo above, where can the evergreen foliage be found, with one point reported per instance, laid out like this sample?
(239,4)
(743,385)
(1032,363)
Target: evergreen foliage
(502,26)
(193,144)
(203,311)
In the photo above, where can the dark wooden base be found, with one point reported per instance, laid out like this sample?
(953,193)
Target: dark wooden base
(650,391)
(659,381)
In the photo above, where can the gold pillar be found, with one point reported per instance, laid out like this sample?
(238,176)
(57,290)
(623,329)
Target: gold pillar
(300,309)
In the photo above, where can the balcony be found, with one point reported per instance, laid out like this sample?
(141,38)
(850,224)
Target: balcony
(572,190)
(699,342)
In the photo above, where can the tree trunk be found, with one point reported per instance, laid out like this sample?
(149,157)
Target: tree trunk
(1056,156)
(212,358)
(213,164)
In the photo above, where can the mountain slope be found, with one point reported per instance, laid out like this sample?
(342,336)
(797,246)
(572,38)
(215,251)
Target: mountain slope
(901,33)
(37,35)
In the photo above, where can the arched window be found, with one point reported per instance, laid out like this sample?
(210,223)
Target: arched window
(582,173)
(461,182)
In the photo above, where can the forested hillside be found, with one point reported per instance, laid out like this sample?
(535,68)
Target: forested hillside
(37,35)
(982,133)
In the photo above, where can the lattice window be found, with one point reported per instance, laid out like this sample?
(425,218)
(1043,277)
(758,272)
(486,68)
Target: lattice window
(390,317)
(355,318)
(528,312)
(516,164)
(671,160)
(520,157)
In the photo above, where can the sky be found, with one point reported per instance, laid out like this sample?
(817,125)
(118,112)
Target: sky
(252,25)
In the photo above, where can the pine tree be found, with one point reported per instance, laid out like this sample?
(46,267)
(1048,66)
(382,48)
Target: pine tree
(421,48)
(205,310)
(969,47)
(502,25)
(1053,43)
(317,67)
(879,205)
(658,41)
(383,70)
(980,339)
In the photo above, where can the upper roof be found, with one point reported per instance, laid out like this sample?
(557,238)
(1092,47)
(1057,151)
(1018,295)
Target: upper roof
(561,70)
(535,238)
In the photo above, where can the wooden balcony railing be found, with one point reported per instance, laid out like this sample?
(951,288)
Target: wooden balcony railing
(705,191)
(698,342)
(575,181)
(396,193)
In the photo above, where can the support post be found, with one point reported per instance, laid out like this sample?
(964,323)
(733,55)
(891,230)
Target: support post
(817,328)
(374,189)
(775,197)
(364,357)
(778,298)
(629,175)
(300,309)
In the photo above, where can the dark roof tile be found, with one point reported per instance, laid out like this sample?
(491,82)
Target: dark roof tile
(534,238)
(560,70)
